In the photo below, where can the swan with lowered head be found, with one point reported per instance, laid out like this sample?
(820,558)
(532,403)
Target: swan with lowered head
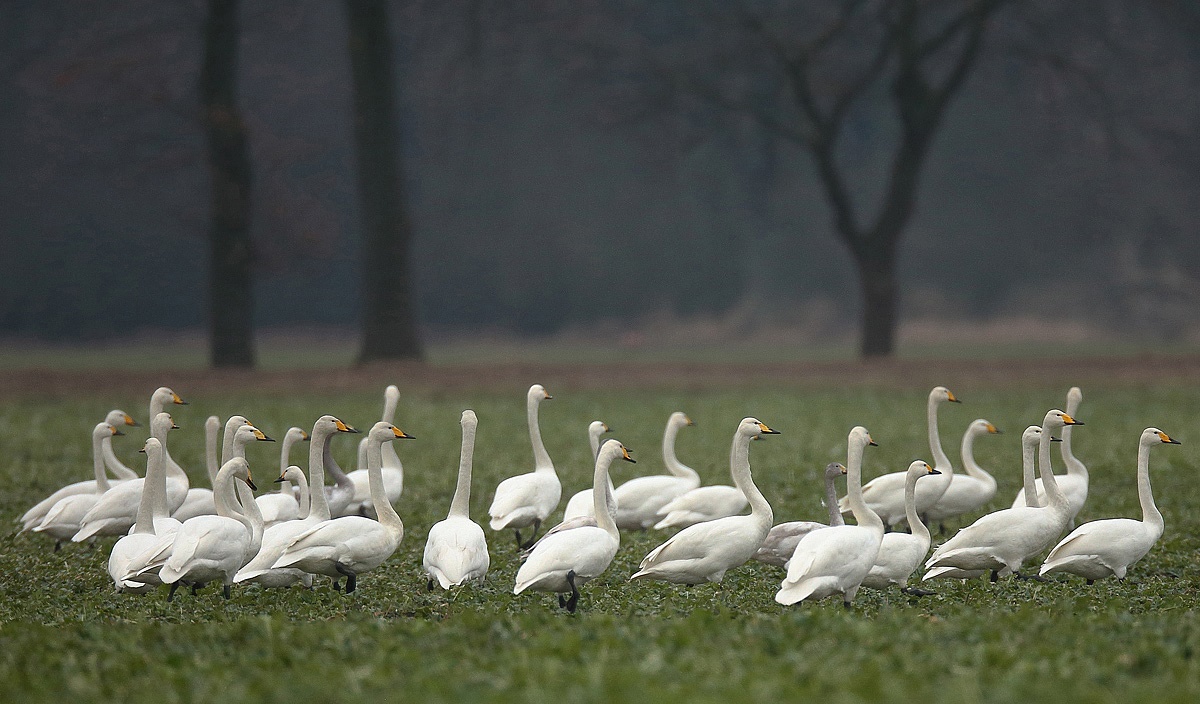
(284,505)
(350,545)
(706,551)
(456,550)
(393,470)
(62,520)
(639,499)
(836,560)
(781,541)
(569,558)
(900,554)
(1074,484)
(884,495)
(1108,548)
(580,504)
(153,525)
(971,491)
(527,499)
(1003,540)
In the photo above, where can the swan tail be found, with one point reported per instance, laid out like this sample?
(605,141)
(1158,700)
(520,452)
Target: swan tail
(87,530)
(794,593)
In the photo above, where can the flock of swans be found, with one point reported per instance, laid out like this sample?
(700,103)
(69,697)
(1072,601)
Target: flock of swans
(171,534)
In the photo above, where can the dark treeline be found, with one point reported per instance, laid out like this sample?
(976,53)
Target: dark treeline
(558,172)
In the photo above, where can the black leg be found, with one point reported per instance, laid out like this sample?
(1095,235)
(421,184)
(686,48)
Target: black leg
(337,586)
(197,587)
(171,594)
(573,602)
(847,605)
(941,528)
(995,576)
(429,585)
(225,591)
(519,543)
(916,591)
(57,545)
(562,601)
(1090,582)
(351,578)
(887,527)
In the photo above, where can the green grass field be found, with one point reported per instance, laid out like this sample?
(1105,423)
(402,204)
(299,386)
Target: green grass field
(63,633)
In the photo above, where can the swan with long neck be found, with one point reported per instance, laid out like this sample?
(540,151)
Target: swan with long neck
(238,433)
(527,499)
(837,559)
(704,552)
(63,519)
(152,525)
(456,550)
(900,554)
(158,402)
(971,491)
(639,499)
(1108,548)
(564,561)
(580,504)
(393,469)
(261,568)
(781,541)
(885,494)
(116,418)
(284,505)
(1003,540)
(350,545)
(1073,484)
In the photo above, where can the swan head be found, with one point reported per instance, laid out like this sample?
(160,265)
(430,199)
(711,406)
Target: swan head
(1057,419)
(162,423)
(921,468)
(1032,436)
(248,433)
(239,468)
(754,427)
(104,430)
(292,474)
(164,395)
(294,435)
(537,394)
(469,419)
(833,470)
(612,450)
(327,425)
(151,447)
(1152,436)
(117,417)
(597,428)
(860,436)
(383,432)
(941,393)
(980,426)
(679,419)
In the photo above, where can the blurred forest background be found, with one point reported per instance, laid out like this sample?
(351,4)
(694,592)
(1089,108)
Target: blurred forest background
(565,175)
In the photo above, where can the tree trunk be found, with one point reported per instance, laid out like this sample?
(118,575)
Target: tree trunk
(389,314)
(880,300)
(231,291)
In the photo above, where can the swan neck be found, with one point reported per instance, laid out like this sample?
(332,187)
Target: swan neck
(319,505)
(541,458)
(831,502)
(389,408)
(941,461)
(225,495)
(863,514)
(115,465)
(169,465)
(154,493)
(594,442)
(1054,495)
(600,495)
(1150,512)
(333,468)
(674,466)
(915,524)
(98,462)
(305,496)
(211,463)
(739,466)
(461,505)
(1027,475)
(384,510)
(968,458)
(251,517)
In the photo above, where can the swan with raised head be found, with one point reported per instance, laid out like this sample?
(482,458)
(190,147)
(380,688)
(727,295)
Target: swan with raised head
(900,554)
(835,560)
(116,418)
(62,520)
(1108,548)
(350,545)
(704,552)
(563,561)
(1073,484)
(238,433)
(527,499)
(261,568)
(158,402)
(153,524)
(284,505)
(781,541)
(885,494)
(580,504)
(1002,541)
(393,469)
(639,499)
(971,491)
(456,550)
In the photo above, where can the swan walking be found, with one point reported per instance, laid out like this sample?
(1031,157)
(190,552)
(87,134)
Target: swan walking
(1074,484)
(456,550)
(971,491)
(781,541)
(639,499)
(527,499)
(900,554)
(580,503)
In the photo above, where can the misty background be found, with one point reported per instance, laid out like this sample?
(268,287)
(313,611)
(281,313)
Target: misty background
(556,187)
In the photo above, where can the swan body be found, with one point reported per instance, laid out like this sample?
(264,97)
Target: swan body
(153,524)
(639,499)
(527,499)
(563,561)
(781,540)
(1107,548)
(1075,482)
(283,505)
(900,554)
(456,550)
(62,520)
(705,503)
(836,560)
(1003,540)
(351,545)
(393,470)
(973,490)
(580,503)
(885,494)
(704,552)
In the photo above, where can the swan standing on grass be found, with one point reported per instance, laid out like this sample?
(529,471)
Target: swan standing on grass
(705,551)
(62,520)
(393,469)
(971,491)
(456,551)
(277,537)
(1002,541)
(884,495)
(527,499)
(900,554)
(153,524)
(836,560)
(1109,547)
(350,545)
(781,541)
(639,499)
(283,505)
(1073,484)
(580,504)
(569,558)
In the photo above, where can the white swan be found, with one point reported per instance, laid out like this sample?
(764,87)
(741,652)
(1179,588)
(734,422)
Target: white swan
(1003,540)
(705,551)
(238,433)
(705,503)
(1074,484)
(563,561)
(639,499)
(1108,548)
(350,545)
(456,550)
(62,520)
(885,494)
(900,554)
(116,418)
(781,541)
(971,491)
(283,505)
(580,503)
(341,494)
(260,569)
(153,524)
(527,499)
(393,469)
(116,511)
(211,548)
(158,402)
(835,560)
